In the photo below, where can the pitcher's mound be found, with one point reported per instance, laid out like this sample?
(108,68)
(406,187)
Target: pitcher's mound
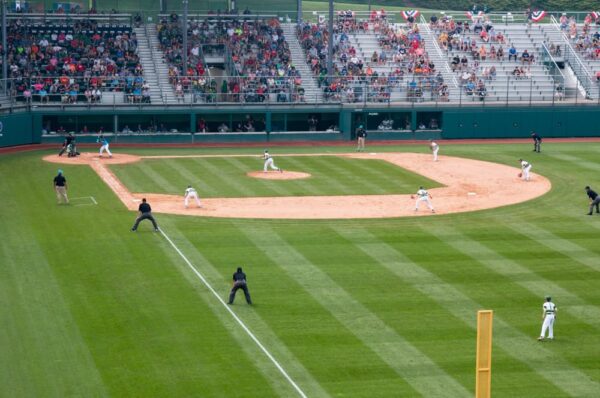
(275,175)
(89,157)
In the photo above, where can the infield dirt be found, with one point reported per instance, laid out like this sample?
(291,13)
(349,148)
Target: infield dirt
(469,185)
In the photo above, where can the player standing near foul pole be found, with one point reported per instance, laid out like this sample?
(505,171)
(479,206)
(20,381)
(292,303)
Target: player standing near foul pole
(269,162)
(423,196)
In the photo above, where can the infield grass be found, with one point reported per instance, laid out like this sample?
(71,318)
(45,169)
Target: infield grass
(350,308)
(227,176)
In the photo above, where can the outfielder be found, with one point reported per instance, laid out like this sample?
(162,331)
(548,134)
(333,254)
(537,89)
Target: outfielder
(423,196)
(104,146)
(525,168)
(190,193)
(269,162)
(549,316)
(434,149)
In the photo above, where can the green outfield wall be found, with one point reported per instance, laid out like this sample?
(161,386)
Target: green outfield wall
(18,129)
(335,123)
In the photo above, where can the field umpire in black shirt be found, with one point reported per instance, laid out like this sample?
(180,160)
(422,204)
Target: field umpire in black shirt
(239,282)
(594,200)
(145,213)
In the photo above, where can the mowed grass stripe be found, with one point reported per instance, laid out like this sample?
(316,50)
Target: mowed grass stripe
(576,161)
(268,188)
(304,186)
(183,169)
(557,244)
(247,314)
(338,182)
(154,171)
(351,170)
(214,175)
(523,276)
(343,365)
(43,353)
(393,349)
(520,346)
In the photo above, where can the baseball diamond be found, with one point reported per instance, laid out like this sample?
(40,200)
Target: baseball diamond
(406,198)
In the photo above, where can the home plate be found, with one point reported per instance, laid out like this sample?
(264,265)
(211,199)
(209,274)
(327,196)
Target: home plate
(471,193)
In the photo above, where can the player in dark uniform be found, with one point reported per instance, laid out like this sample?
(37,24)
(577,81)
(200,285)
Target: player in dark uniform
(145,213)
(361,135)
(537,141)
(239,282)
(594,200)
(68,140)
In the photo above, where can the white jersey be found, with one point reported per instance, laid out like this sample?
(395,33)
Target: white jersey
(524,164)
(190,191)
(549,308)
(421,193)
(267,156)
(434,146)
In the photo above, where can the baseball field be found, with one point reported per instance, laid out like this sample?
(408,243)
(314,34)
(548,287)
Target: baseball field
(375,307)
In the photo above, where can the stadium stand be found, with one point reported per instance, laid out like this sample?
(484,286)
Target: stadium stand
(74,60)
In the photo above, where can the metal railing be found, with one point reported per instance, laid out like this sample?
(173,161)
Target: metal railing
(580,70)
(411,90)
(154,60)
(439,51)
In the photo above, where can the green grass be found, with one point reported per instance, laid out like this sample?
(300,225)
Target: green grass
(350,308)
(227,176)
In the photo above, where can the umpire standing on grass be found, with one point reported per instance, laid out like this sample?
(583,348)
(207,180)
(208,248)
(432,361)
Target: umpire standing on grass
(144,213)
(594,200)
(239,282)
(537,141)
(60,187)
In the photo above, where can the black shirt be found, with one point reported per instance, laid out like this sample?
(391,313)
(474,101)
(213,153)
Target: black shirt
(239,277)
(144,208)
(592,194)
(536,137)
(69,139)
(361,133)
(60,181)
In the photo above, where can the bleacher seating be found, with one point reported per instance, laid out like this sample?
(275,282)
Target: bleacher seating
(73,61)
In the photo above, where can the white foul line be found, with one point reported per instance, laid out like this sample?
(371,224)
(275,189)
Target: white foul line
(237,319)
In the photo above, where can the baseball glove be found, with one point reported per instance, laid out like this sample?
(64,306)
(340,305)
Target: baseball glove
(520,175)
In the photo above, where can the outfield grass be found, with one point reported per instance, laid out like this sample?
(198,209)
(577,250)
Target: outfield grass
(227,177)
(350,308)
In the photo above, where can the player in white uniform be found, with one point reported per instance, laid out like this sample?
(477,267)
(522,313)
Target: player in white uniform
(423,196)
(190,193)
(434,148)
(269,162)
(549,316)
(525,168)
(104,146)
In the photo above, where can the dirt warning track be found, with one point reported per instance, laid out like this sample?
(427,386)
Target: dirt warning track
(470,185)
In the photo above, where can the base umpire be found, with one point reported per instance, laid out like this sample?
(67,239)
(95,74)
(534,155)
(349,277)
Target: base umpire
(239,282)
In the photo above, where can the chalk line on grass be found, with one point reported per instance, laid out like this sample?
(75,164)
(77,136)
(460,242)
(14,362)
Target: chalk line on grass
(233,314)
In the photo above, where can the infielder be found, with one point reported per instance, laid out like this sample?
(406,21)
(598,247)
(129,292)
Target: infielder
(549,316)
(423,196)
(190,193)
(434,149)
(525,168)
(269,162)
(104,146)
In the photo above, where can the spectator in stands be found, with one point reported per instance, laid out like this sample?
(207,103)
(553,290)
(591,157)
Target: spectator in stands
(512,53)
(525,57)
(126,130)
(202,128)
